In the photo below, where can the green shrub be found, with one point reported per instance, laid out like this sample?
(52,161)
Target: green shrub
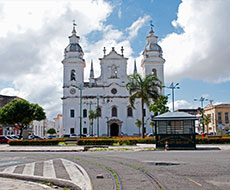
(45,142)
(213,140)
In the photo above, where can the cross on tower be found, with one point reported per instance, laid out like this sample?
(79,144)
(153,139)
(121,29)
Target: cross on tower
(151,24)
(122,50)
(104,50)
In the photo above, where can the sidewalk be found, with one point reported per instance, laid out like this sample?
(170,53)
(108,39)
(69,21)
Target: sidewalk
(75,148)
(15,184)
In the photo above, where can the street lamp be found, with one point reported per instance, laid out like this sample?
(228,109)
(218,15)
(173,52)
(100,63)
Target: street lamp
(80,88)
(202,99)
(172,86)
(97,115)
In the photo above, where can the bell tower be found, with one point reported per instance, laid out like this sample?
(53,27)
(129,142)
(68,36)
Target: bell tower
(73,62)
(152,61)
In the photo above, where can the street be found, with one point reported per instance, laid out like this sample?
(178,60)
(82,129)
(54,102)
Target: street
(200,169)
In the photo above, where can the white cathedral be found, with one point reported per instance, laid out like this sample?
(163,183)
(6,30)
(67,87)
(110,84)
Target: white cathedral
(106,93)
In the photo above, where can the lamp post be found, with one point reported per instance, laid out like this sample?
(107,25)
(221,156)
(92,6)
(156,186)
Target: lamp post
(202,99)
(97,116)
(80,88)
(173,87)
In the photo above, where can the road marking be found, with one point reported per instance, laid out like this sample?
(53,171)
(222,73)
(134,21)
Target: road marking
(77,174)
(29,169)
(48,170)
(194,181)
(10,169)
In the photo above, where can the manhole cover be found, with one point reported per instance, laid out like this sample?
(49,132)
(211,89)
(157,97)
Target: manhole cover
(163,163)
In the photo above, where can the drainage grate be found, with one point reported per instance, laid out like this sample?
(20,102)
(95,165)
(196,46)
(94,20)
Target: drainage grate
(163,164)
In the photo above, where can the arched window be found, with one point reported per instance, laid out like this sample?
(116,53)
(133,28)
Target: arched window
(73,75)
(129,112)
(113,71)
(84,112)
(114,111)
(99,111)
(154,71)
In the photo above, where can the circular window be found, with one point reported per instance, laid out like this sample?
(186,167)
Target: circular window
(114,91)
(72,91)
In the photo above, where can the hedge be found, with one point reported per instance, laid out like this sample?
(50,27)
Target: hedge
(212,140)
(118,141)
(48,142)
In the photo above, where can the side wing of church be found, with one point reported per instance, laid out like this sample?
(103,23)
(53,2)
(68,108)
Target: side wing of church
(107,94)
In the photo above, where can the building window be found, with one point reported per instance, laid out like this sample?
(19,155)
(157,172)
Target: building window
(114,112)
(84,130)
(73,75)
(99,111)
(144,111)
(219,117)
(84,112)
(71,113)
(226,117)
(129,112)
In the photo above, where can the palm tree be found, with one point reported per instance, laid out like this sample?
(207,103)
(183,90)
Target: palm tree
(138,124)
(92,116)
(207,120)
(152,124)
(146,89)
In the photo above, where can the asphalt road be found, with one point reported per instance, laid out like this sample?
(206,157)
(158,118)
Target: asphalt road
(130,170)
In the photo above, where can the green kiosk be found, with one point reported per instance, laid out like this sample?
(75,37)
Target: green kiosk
(175,130)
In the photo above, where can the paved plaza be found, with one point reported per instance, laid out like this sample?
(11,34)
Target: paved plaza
(205,168)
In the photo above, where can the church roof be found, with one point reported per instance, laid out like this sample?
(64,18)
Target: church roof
(113,55)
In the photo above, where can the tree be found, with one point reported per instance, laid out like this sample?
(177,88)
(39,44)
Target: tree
(145,89)
(21,113)
(51,131)
(93,115)
(159,107)
(206,121)
(138,124)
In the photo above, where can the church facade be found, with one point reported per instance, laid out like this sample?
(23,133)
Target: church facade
(106,93)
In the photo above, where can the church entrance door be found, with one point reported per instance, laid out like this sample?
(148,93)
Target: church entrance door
(114,129)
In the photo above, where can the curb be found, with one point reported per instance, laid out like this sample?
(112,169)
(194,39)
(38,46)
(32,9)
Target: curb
(58,182)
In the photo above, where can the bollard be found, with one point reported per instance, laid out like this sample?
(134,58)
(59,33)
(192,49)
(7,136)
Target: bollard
(166,145)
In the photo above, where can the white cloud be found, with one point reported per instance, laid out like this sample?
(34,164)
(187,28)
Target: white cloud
(33,37)
(134,28)
(202,50)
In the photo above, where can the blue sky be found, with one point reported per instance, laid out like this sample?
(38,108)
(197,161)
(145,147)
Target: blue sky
(194,36)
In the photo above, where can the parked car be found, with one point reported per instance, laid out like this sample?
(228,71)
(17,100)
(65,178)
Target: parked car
(3,139)
(73,135)
(35,137)
(15,136)
(150,135)
(52,137)
(65,136)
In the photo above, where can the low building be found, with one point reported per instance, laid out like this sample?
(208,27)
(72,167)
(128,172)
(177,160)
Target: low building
(219,115)
(58,125)
(175,130)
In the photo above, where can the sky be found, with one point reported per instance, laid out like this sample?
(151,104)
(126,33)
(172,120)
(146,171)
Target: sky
(194,36)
